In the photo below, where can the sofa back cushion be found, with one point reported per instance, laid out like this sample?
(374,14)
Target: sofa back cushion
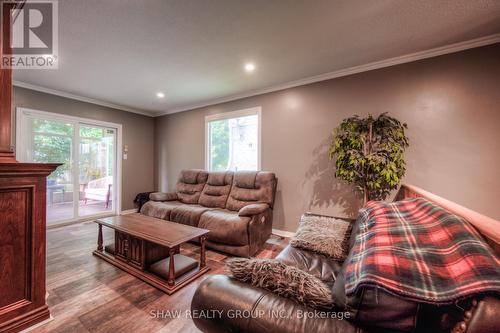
(251,187)
(216,189)
(190,184)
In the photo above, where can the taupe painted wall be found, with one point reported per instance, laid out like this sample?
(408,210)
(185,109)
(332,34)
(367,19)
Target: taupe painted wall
(138,134)
(451,104)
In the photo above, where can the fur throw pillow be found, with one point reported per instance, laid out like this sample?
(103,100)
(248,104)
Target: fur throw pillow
(323,234)
(283,280)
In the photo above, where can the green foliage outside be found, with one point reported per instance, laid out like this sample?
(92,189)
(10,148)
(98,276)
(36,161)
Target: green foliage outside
(53,149)
(53,146)
(91,137)
(52,127)
(52,143)
(369,153)
(91,132)
(219,147)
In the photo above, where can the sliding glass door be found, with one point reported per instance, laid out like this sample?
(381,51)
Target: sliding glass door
(84,185)
(52,142)
(96,164)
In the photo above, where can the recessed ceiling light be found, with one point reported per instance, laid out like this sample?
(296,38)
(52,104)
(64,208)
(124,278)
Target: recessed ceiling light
(249,67)
(160,95)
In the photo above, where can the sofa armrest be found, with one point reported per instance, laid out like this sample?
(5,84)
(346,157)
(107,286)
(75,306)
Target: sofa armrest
(253,209)
(238,307)
(162,196)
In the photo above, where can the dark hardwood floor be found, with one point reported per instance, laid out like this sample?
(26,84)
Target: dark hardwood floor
(86,294)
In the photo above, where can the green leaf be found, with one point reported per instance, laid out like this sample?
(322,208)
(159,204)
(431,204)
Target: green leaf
(380,168)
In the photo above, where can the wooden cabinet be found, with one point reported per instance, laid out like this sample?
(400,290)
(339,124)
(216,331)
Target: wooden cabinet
(22,216)
(138,252)
(22,244)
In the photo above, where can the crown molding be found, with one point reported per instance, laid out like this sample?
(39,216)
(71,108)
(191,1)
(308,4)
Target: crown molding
(78,97)
(451,48)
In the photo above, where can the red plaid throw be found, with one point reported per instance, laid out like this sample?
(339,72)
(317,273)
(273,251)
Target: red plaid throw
(420,251)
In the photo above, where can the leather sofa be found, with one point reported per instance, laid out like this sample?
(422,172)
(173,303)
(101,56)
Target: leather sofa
(238,307)
(237,207)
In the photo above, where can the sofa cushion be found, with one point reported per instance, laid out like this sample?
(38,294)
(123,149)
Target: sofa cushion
(216,189)
(251,187)
(323,267)
(187,214)
(220,178)
(225,226)
(162,196)
(193,176)
(246,179)
(190,184)
(160,210)
(283,280)
(323,234)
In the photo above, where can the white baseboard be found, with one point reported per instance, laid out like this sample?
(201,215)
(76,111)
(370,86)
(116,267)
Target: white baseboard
(128,211)
(283,233)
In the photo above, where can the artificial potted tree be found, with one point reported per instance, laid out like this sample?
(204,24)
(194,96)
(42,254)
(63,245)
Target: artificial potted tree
(369,153)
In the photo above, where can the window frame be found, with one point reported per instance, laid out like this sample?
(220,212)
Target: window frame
(229,115)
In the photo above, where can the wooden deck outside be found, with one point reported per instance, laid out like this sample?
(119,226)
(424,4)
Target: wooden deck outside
(64,211)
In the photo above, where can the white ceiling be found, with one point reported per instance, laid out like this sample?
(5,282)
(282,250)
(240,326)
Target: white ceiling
(124,51)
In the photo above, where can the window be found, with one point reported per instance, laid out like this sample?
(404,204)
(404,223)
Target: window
(233,140)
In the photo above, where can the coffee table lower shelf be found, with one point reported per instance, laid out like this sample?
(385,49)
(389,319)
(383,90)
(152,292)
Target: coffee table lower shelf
(151,278)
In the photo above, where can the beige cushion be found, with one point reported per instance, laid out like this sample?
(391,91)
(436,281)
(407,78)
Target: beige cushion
(225,227)
(323,234)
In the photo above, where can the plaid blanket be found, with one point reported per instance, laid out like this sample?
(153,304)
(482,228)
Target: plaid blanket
(420,251)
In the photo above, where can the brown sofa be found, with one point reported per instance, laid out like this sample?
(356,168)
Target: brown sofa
(241,307)
(237,207)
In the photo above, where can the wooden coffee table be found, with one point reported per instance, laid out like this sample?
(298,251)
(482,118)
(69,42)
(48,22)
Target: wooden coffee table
(149,249)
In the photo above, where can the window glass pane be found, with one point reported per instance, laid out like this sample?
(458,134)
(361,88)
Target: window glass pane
(219,145)
(52,142)
(234,144)
(52,127)
(96,167)
(91,132)
(96,154)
